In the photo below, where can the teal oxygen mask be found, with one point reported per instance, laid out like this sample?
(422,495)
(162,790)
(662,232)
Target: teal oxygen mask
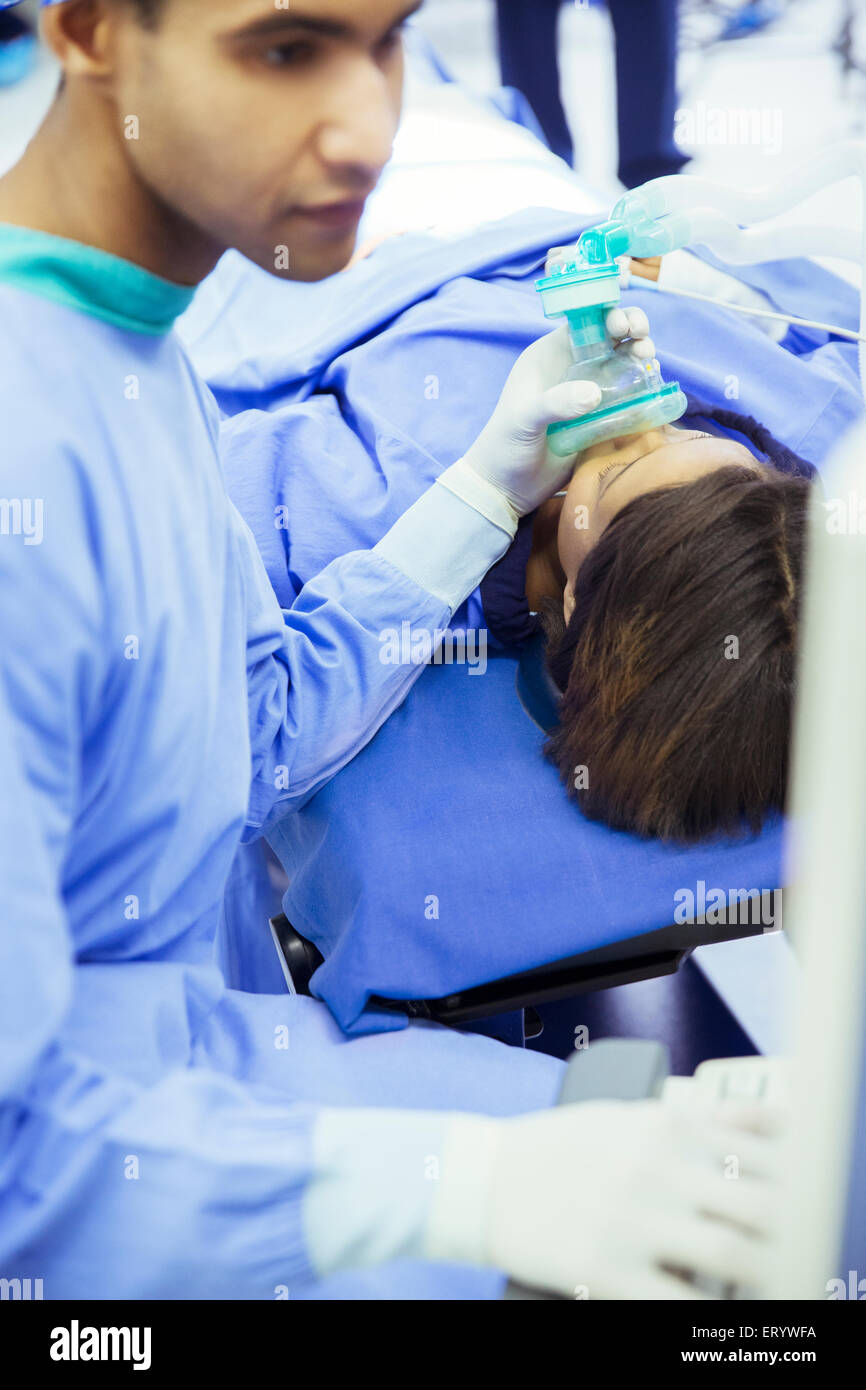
(634,396)
(743,227)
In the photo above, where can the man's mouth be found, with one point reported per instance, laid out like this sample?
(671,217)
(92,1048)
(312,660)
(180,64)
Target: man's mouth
(335,216)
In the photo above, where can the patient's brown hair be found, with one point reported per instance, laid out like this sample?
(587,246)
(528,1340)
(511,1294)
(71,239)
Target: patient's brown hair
(677,667)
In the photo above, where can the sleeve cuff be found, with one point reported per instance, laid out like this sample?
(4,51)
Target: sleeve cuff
(375,1173)
(480,494)
(447,540)
(459,1224)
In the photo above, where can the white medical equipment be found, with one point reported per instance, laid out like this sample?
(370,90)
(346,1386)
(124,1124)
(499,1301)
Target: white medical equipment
(823,1172)
(740,226)
(819,1250)
(821,1240)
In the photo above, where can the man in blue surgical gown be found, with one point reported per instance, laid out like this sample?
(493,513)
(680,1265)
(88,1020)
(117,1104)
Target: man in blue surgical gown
(161,1136)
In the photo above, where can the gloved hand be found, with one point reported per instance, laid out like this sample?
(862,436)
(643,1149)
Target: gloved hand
(608,1199)
(509,470)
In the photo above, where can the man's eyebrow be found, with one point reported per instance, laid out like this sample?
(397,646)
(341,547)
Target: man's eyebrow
(279,24)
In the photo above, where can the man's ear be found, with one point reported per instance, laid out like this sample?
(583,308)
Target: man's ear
(78,33)
(568,602)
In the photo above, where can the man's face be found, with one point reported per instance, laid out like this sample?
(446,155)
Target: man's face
(266,126)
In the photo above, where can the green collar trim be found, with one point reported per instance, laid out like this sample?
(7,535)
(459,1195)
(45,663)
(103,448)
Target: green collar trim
(95,282)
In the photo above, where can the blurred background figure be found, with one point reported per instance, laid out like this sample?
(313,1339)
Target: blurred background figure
(743,66)
(646,66)
(17,45)
(705,22)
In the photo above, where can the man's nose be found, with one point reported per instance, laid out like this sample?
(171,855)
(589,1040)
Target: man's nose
(359,131)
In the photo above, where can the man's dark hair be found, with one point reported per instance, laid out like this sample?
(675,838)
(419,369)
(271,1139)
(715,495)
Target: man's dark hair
(677,667)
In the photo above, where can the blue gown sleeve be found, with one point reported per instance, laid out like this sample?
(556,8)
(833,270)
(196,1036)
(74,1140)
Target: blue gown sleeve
(191,1187)
(320,676)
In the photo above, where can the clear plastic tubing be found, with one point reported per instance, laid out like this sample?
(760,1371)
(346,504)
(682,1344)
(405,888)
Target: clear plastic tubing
(680,210)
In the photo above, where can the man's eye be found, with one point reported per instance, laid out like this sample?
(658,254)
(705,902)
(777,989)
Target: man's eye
(290,55)
(392,41)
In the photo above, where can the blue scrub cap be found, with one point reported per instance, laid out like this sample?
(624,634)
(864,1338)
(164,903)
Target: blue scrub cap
(10,4)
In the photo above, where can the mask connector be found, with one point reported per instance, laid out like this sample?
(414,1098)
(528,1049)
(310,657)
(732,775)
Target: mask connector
(634,396)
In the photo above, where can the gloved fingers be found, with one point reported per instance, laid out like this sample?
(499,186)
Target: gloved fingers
(564,402)
(569,399)
(558,255)
(743,1202)
(715,1185)
(630,330)
(732,1147)
(656,1284)
(727,1194)
(711,1248)
(627,323)
(761,1119)
(642,349)
(723,1133)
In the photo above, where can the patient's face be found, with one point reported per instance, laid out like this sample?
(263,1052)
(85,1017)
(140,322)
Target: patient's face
(611,474)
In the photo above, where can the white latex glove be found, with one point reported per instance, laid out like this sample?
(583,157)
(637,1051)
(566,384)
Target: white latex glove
(509,470)
(606,1199)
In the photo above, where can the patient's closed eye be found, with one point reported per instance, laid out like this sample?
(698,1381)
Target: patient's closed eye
(623,465)
(615,463)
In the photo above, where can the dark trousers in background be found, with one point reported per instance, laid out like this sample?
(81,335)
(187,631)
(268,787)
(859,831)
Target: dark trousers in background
(646,64)
(10,25)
